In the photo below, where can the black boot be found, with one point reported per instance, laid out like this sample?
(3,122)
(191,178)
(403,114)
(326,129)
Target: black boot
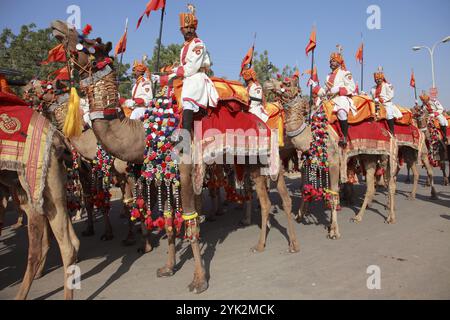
(188,120)
(344,129)
(444,133)
(391,126)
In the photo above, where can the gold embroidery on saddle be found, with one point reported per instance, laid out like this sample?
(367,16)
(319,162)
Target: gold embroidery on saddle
(8,124)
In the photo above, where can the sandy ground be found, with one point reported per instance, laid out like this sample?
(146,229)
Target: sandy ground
(413,256)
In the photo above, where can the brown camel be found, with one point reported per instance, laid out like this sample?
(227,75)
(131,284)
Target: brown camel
(297,109)
(55,214)
(124,139)
(422,118)
(55,108)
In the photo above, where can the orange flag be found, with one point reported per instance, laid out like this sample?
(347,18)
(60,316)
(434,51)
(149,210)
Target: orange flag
(153,5)
(360,53)
(121,47)
(62,74)
(57,54)
(312,41)
(412,82)
(313,73)
(248,59)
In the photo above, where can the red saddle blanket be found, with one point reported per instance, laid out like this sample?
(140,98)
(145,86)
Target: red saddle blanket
(15,118)
(368,137)
(407,136)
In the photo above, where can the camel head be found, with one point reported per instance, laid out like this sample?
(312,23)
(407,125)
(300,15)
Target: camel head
(283,92)
(84,52)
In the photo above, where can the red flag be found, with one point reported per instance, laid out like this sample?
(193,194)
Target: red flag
(62,74)
(121,46)
(314,76)
(248,59)
(57,54)
(360,53)
(312,42)
(412,82)
(296,74)
(153,5)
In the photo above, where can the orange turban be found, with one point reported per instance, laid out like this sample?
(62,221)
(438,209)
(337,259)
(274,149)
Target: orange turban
(336,56)
(249,74)
(140,67)
(4,87)
(424,97)
(379,75)
(188,20)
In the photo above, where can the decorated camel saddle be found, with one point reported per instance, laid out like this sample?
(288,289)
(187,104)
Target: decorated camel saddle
(230,128)
(26,139)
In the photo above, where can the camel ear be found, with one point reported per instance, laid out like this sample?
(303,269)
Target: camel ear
(108,47)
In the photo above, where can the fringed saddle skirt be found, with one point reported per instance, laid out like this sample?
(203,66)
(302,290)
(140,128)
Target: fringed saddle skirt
(26,138)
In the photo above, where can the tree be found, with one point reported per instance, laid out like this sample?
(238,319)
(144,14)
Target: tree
(125,81)
(169,55)
(25,52)
(264,69)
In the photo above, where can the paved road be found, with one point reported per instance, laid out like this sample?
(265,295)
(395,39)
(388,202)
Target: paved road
(413,257)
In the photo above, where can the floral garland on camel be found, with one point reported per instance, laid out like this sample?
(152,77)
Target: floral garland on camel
(316,166)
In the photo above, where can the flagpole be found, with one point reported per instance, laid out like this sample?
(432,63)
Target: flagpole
(415,88)
(362,64)
(311,87)
(253,52)
(126,32)
(159,46)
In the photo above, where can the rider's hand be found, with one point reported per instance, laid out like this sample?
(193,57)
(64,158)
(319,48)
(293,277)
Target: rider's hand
(130,103)
(156,78)
(334,90)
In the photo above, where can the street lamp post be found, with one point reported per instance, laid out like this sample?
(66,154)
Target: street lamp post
(431,51)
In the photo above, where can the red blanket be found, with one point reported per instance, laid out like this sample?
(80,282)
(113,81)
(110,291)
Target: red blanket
(407,135)
(15,118)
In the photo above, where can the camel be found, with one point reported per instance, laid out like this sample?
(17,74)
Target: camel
(54,107)
(422,118)
(297,110)
(54,214)
(124,139)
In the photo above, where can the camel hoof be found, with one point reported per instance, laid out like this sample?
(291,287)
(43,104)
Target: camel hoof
(294,248)
(88,233)
(39,276)
(144,250)
(390,221)
(164,272)
(356,219)
(198,288)
(333,235)
(106,237)
(434,197)
(76,218)
(257,249)
(411,197)
(129,242)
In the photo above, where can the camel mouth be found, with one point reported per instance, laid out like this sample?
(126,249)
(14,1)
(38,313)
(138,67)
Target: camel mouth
(59,30)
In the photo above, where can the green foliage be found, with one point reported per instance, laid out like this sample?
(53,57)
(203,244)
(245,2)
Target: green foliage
(169,55)
(263,67)
(25,51)
(125,79)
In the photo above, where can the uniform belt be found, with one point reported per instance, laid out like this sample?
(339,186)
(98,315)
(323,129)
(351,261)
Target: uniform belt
(256,99)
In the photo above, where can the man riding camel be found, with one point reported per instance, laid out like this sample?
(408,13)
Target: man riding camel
(255,92)
(198,91)
(340,87)
(435,109)
(141,93)
(383,93)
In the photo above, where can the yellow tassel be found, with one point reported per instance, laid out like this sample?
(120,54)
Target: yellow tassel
(73,123)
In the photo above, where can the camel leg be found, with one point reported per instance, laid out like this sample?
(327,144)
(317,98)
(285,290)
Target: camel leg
(333,232)
(215,201)
(444,173)
(45,249)
(430,178)
(199,283)
(167,270)
(370,192)
(85,180)
(261,191)
(3,206)
(415,180)
(247,219)
(20,211)
(294,246)
(36,224)
(392,189)
(108,235)
(60,223)
(127,197)
(408,176)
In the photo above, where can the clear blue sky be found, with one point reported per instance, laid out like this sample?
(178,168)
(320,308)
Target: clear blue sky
(283,29)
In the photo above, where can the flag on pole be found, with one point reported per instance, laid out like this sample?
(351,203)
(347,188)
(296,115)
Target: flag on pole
(360,53)
(57,54)
(121,46)
(62,74)
(314,76)
(248,59)
(153,5)
(412,82)
(312,42)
